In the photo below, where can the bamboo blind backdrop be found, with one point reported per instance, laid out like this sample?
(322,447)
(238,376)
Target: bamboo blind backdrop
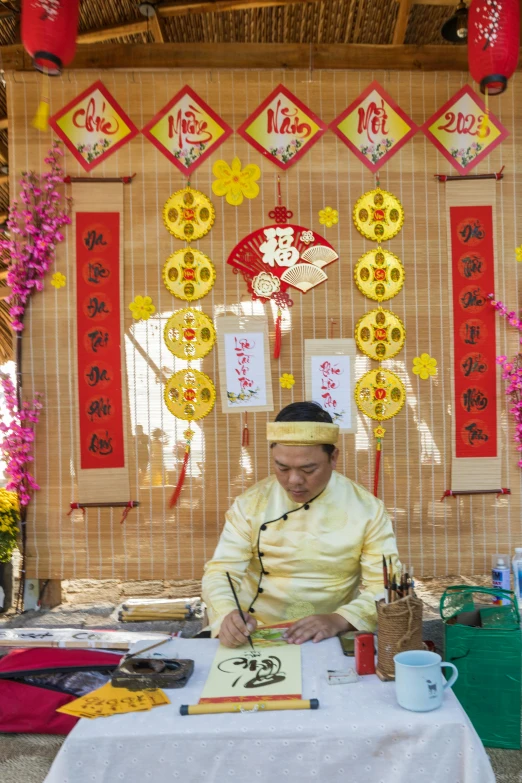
(456,536)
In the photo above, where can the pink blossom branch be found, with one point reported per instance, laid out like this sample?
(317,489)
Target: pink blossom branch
(17,442)
(512,373)
(34,230)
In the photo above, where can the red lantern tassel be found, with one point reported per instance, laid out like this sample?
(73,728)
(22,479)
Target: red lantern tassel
(181,480)
(377,468)
(277,343)
(245,440)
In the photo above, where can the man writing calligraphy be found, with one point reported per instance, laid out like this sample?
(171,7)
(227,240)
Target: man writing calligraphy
(304,544)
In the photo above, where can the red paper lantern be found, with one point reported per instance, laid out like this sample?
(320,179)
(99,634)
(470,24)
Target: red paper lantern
(49,33)
(493,42)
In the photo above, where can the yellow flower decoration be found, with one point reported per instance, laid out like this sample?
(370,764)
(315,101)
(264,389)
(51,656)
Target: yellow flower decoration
(142,308)
(424,366)
(287,380)
(328,217)
(235,183)
(58,280)
(518,251)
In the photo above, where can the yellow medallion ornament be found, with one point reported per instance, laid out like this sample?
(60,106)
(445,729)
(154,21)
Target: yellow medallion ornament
(189,334)
(379,274)
(380,394)
(189,274)
(380,334)
(190,394)
(378,215)
(189,214)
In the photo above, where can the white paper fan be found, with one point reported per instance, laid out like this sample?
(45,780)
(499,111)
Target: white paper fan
(319,255)
(303,276)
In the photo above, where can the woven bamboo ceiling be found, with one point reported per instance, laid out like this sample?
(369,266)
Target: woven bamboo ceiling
(400,33)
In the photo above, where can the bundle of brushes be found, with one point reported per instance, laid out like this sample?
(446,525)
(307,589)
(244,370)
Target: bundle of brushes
(398,582)
(148,609)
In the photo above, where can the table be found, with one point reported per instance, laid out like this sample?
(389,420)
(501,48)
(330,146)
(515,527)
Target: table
(358,735)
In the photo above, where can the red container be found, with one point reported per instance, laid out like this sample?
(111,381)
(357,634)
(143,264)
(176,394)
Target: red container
(365,653)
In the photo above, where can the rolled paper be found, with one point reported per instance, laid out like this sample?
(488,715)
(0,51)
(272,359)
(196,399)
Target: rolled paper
(260,706)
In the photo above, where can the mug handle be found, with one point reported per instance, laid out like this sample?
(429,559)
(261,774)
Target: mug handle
(453,677)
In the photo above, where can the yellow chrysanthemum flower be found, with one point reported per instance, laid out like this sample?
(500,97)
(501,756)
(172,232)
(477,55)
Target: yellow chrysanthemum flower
(424,366)
(234,182)
(58,280)
(142,308)
(518,251)
(328,217)
(287,380)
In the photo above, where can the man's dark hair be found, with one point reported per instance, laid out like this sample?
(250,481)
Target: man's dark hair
(307,411)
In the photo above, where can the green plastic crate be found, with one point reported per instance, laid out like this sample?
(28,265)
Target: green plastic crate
(488,658)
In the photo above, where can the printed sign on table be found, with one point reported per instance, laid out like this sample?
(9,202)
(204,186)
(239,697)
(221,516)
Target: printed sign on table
(460,132)
(93,126)
(374,127)
(187,130)
(282,128)
(474,331)
(98,329)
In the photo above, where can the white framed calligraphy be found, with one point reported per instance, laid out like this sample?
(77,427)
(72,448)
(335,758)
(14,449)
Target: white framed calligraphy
(329,379)
(244,364)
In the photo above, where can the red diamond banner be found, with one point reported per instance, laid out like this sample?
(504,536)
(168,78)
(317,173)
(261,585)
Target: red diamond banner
(282,128)
(461,131)
(374,127)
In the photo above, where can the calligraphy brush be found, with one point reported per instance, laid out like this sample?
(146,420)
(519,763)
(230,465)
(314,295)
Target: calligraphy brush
(239,608)
(385,580)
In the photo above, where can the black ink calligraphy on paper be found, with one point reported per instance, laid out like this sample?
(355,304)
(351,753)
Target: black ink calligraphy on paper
(97,273)
(267,671)
(472,299)
(96,307)
(475,433)
(93,239)
(100,408)
(98,340)
(472,266)
(96,375)
(474,400)
(473,363)
(472,334)
(101,446)
(472,230)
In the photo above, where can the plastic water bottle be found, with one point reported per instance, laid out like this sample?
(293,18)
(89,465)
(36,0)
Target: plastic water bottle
(517,574)
(500,577)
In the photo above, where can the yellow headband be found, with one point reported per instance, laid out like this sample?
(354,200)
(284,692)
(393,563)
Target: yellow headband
(302,433)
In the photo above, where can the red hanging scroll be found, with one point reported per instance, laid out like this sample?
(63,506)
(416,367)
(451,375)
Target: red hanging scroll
(98,330)
(473,277)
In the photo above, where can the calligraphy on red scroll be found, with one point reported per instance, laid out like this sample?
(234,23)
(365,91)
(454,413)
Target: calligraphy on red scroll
(98,330)
(474,331)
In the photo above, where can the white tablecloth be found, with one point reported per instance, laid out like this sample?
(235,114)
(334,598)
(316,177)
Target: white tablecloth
(358,735)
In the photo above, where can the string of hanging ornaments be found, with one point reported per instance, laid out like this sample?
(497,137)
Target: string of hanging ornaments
(493,43)
(48,31)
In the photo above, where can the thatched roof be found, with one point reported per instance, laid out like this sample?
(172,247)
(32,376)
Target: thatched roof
(377,22)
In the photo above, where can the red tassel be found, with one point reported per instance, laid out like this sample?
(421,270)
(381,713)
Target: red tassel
(277,343)
(245,440)
(377,468)
(126,510)
(74,507)
(181,480)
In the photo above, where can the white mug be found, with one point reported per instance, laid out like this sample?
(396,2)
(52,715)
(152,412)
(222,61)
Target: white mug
(418,680)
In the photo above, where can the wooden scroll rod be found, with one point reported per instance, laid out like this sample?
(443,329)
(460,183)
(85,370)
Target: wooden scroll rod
(451,493)
(127,506)
(125,180)
(459,177)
